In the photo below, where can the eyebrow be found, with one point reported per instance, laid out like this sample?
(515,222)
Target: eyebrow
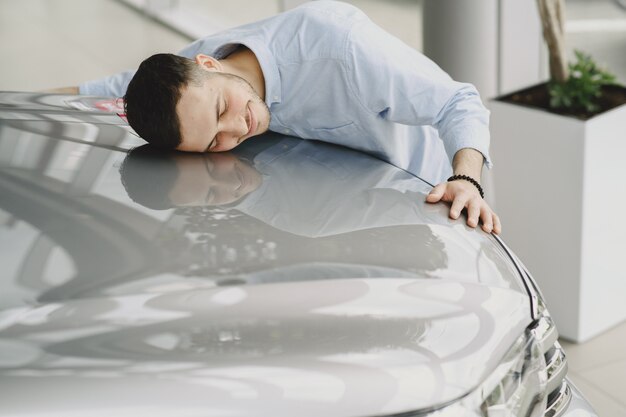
(217,117)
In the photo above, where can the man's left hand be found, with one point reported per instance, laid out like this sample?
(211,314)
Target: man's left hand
(463,194)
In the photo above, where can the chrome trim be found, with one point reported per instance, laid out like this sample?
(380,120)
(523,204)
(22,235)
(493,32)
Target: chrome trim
(545,332)
(528,283)
(559,404)
(556,368)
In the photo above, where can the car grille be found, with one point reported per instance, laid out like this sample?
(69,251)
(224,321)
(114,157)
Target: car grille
(559,393)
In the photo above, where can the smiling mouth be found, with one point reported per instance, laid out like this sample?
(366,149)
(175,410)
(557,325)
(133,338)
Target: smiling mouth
(249,119)
(252,121)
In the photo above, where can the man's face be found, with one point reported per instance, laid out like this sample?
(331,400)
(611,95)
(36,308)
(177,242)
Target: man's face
(220,114)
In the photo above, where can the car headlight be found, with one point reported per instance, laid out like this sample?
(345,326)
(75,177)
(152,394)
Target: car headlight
(517,387)
(529,380)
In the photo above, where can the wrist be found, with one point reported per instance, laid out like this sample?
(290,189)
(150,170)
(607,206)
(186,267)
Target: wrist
(469,179)
(468,161)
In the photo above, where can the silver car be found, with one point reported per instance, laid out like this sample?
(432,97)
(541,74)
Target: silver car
(286,278)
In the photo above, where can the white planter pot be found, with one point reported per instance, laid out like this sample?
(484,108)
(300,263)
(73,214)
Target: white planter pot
(561,192)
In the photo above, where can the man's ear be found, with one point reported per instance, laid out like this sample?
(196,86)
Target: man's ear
(208,63)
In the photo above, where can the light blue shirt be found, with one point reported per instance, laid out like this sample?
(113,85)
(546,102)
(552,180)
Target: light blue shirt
(331,74)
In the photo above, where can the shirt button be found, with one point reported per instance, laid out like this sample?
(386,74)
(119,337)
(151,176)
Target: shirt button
(286,131)
(275,97)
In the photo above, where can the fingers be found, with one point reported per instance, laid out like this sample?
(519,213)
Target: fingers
(474,210)
(490,220)
(486,216)
(477,210)
(457,205)
(464,196)
(497,227)
(436,194)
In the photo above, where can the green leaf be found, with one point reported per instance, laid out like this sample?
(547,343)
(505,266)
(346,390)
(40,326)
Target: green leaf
(583,87)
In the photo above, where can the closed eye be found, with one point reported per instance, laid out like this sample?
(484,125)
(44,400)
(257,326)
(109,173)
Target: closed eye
(220,112)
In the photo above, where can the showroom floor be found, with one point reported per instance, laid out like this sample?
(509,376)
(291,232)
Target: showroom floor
(598,368)
(54,43)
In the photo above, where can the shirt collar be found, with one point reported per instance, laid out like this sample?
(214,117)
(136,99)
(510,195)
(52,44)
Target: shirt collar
(273,91)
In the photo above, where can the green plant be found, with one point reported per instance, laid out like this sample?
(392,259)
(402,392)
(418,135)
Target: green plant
(582,87)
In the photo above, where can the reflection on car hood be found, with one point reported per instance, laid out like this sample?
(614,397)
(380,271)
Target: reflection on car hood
(332,347)
(288,275)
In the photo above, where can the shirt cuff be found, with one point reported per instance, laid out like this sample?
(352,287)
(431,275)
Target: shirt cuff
(481,146)
(91,88)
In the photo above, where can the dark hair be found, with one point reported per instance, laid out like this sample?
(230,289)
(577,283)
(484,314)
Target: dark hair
(153,93)
(148,174)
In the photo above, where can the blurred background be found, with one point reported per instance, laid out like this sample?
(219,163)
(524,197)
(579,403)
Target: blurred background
(497,45)
(52,43)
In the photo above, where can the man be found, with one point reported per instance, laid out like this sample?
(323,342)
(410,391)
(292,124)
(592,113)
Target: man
(321,71)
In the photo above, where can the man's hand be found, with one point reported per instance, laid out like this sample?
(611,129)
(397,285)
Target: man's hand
(463,194)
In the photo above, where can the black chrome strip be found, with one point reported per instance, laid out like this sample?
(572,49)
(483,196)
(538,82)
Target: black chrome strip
(534,310)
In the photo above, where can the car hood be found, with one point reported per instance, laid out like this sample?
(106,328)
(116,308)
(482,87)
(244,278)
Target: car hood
(333,347)
(289,275)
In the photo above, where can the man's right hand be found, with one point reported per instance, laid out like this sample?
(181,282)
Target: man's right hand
(462,194)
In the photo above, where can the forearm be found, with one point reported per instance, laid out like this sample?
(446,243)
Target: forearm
(464,126)
(468,161)
(63,90)
(112,86)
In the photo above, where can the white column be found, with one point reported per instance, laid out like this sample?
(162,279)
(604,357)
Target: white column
(523,59)
(494,44)
(462,37)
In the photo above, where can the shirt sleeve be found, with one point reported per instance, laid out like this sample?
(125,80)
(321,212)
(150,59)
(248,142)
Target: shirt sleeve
(113,86)
(400,84)
(116,85)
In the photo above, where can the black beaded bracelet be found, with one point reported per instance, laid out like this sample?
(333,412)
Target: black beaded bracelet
(470,179)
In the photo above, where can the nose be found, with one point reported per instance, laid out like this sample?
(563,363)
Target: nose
(232,130)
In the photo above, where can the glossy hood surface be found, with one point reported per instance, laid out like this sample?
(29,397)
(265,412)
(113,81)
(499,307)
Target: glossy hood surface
(288,277)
